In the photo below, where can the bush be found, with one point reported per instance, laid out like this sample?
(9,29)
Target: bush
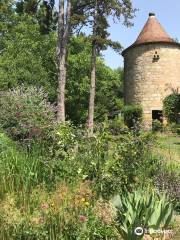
(132,115)
(115,162)
(111,161)
(26,114)
(117,126)
(171,105)
(175,128)
(168,180)
(157,126)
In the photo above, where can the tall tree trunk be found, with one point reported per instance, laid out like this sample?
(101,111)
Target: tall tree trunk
(93,77)
(63,37)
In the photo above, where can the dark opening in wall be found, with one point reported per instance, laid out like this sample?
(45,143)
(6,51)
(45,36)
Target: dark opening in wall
(157,115)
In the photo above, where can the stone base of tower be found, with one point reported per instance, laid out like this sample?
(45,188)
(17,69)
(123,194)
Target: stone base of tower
(147,121)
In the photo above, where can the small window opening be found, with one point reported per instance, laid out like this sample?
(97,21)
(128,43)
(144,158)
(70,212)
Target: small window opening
(156,57)
(157,115)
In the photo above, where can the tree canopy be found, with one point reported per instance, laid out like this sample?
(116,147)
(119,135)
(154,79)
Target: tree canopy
(28,58)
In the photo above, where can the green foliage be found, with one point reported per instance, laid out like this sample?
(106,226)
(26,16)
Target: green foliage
(167,180)
(110,163)
(20,171)
(42,11)
(157,126)
(142,208)
(171,105)
(175,128)
(6,16)
(132,115)
(25,57)
(108,87)
(113,162)
(117,126)
(29,58)
(62,145)
(26,114)
(116,9)
(56,185)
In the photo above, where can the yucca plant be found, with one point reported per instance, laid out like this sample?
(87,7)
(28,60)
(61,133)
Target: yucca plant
(162,212)
(142,208)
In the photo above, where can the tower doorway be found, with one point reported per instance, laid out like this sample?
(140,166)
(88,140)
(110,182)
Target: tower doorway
(157,115)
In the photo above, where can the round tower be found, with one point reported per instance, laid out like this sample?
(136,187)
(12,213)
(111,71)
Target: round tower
(151,69)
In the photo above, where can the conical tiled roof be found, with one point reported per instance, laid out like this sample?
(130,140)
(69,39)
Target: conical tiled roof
(153,32)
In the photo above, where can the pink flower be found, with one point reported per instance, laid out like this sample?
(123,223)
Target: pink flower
(83,218)
(44,206)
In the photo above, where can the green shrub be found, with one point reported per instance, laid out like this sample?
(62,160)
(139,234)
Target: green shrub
(117,126)
(171,107)
(157,126)
(167,180)
(115,162)
(132,115)
(26,114)
(62,152)
(175,128)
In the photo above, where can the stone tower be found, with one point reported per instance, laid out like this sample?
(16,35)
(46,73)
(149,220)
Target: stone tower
(151,69)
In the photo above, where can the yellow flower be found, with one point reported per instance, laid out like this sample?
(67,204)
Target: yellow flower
(83,200)
(87,203)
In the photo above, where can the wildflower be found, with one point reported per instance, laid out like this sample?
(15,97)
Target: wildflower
(86,203)
(83,218)
(105,212)
(83,200)
(44,206)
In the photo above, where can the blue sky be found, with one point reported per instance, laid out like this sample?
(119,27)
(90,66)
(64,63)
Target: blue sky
(168,14)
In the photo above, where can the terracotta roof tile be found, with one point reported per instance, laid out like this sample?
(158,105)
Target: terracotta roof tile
(153,32)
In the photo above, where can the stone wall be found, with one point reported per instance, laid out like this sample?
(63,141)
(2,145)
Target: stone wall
(148,81)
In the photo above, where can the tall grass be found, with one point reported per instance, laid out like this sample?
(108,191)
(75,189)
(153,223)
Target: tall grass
(19,170)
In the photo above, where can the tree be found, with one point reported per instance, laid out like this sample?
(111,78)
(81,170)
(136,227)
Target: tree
(64,27)
(70,16)
(108,89)
(43,12)
(93,71)
(6,18)
(27,57)
(101,10)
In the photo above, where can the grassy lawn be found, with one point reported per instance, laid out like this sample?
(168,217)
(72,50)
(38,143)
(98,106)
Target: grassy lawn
(169,147)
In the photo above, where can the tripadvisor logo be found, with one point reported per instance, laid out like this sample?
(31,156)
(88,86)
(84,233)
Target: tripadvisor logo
(139,231)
